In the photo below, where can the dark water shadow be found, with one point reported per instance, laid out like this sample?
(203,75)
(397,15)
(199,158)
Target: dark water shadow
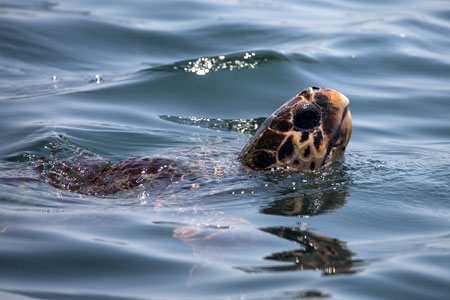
(316,252)
(307,204)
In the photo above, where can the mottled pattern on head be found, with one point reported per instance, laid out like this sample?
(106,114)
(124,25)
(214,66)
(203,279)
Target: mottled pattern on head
(307,132)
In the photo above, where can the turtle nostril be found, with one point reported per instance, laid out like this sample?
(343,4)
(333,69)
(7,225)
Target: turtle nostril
(307,116)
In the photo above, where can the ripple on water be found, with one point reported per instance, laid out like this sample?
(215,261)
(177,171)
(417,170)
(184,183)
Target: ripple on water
(193,80)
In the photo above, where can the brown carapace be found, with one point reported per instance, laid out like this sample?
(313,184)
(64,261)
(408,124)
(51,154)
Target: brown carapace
(307,132)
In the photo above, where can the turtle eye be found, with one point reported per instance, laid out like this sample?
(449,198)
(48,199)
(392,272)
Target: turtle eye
(307,116)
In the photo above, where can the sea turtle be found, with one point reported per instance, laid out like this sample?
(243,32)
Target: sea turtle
(308,132)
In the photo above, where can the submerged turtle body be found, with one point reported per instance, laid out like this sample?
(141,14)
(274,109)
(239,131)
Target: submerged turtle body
(132,172)
(96,176)
(307,132)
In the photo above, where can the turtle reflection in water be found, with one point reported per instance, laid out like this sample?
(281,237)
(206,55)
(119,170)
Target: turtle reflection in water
(316,252)
(306,133)
(326,254)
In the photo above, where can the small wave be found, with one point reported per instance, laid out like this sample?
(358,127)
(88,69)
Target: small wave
(248,126)
(201,66)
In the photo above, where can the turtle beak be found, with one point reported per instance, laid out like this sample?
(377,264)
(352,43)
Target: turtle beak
(337,125)
(346,126)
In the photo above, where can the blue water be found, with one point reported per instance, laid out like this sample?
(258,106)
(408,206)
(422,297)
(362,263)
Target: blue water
(192,79)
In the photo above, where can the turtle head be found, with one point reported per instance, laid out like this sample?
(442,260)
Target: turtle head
(307,132)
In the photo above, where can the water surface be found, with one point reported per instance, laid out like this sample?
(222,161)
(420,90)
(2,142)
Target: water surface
(119,79)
